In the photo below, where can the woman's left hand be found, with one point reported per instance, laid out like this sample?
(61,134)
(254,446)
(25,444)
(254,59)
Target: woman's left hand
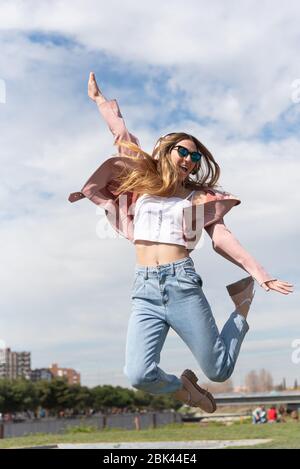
(278,285)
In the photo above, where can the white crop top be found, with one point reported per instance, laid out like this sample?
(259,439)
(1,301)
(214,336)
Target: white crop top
(160,219)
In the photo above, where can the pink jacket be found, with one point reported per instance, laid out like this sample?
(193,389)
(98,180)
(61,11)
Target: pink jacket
(211,204)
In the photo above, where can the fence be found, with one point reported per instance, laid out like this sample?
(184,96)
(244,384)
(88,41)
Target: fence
(137,421)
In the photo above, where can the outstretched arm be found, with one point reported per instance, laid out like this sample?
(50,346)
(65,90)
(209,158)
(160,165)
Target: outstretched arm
(225,244)
(111,113)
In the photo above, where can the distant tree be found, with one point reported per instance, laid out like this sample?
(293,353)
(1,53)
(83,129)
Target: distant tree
(261,381)
(17,395)
(7,398)
(215,388)
(58,396)
(265,380)
(142,399)
(295,384)
(55,395)
(106,397)
(252,381)
(26,395)
(122,398)
(161,402)
(80,398)
(283,384)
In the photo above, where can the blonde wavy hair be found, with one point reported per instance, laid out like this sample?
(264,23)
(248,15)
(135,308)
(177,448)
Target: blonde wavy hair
(156,174)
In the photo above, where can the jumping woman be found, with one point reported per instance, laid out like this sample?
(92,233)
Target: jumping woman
(161,203)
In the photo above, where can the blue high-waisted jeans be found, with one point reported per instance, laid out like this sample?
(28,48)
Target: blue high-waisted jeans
(171,295)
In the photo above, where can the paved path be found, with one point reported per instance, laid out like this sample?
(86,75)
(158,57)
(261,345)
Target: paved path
(197,444)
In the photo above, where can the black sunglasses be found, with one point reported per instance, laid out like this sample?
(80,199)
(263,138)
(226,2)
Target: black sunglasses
(184,152)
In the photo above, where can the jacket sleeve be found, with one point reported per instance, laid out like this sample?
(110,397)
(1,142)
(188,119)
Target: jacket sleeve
(225,244)
(111,113)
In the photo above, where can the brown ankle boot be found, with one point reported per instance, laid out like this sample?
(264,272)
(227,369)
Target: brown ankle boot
(194,396)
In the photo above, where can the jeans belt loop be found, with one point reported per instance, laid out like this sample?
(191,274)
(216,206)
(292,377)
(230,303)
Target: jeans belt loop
(146,273)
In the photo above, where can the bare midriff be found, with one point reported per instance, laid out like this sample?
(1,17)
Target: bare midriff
(153,253)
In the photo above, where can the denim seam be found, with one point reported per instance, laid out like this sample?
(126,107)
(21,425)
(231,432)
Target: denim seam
(156,363)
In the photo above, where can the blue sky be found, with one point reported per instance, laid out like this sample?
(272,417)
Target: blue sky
(214,69)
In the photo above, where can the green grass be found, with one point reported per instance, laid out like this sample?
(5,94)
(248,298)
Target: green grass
(283,435)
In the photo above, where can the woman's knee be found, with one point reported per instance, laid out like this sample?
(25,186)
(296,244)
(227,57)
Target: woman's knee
(219,375)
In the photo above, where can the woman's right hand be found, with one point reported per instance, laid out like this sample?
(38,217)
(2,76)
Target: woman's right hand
(93,89)
(278,285)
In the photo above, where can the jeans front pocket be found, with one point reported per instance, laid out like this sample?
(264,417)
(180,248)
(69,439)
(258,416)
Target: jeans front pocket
(191,274)
(137,284)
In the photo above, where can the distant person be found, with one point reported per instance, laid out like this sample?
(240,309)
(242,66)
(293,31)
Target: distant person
(282,414)
(295,414)
(272,414)
(263,415)
(256,414)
